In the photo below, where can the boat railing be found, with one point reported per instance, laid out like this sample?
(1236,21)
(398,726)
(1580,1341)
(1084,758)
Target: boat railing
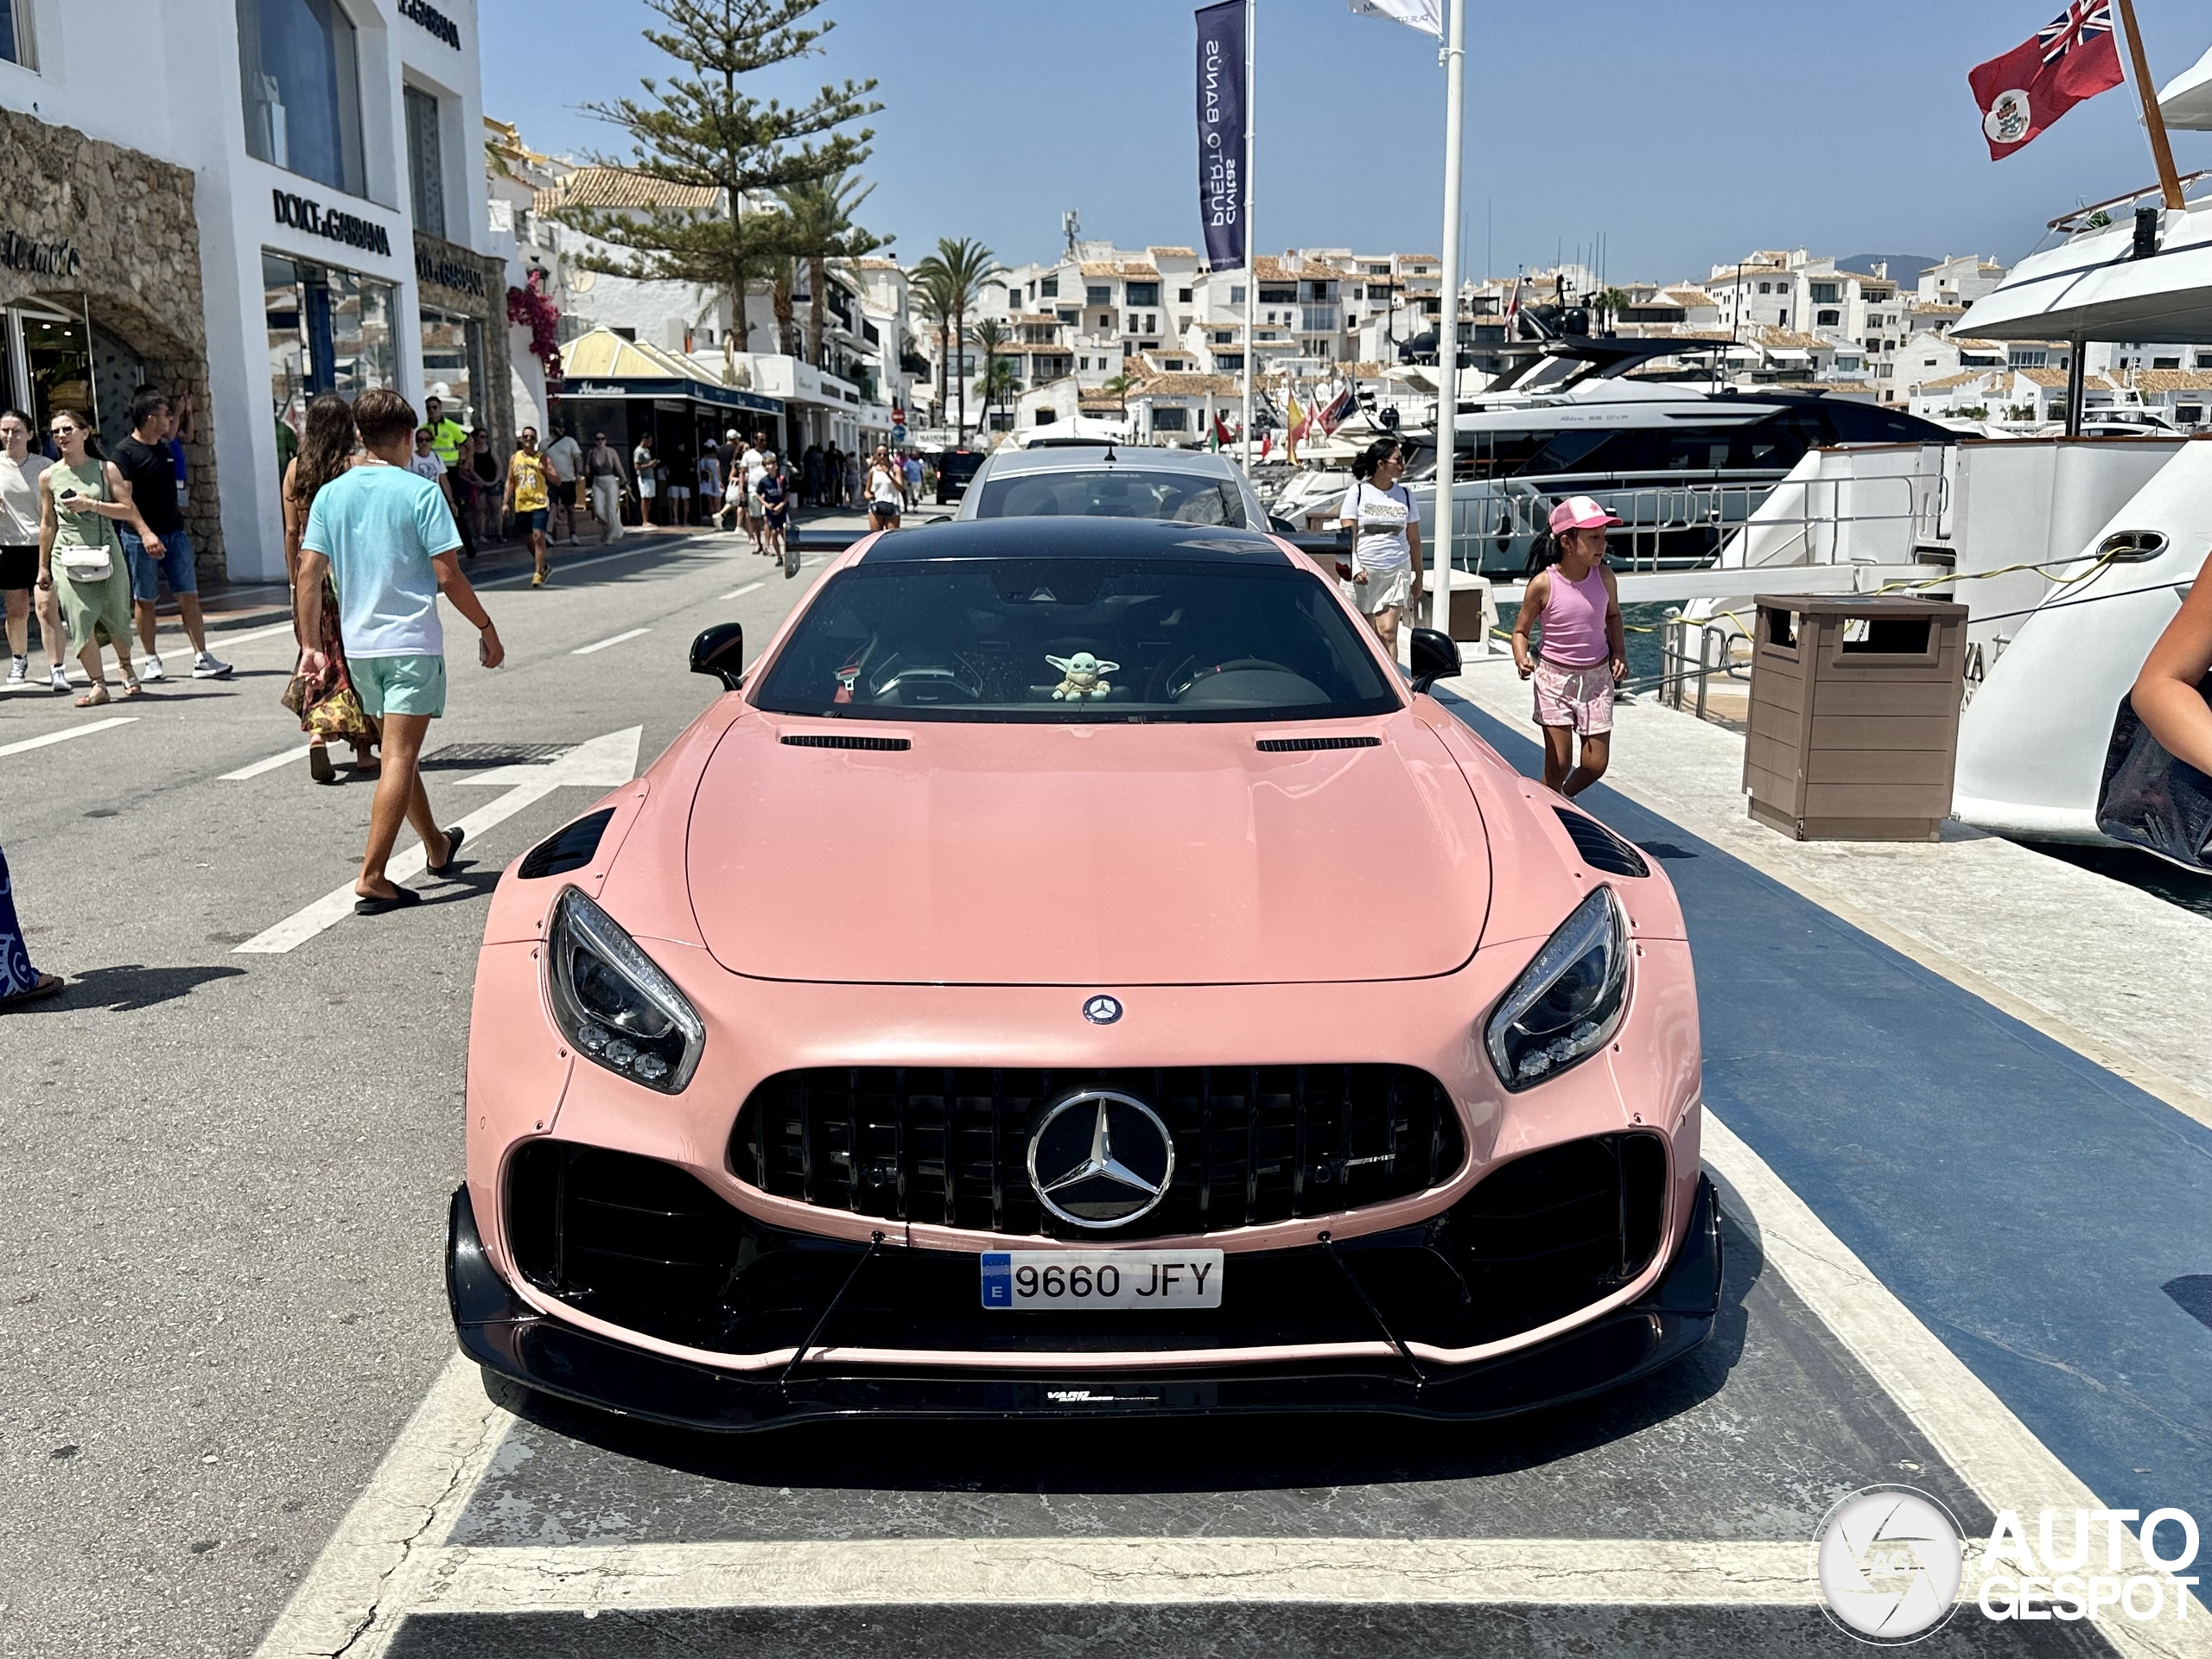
(1905,510)
(1684,672)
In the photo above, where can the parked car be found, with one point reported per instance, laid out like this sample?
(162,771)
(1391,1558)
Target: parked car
(1072,1071)
(1103,481)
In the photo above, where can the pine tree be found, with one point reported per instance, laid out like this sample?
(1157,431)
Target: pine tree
(699,129)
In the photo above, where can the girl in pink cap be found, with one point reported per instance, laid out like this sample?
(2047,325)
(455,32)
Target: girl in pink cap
(1575,604)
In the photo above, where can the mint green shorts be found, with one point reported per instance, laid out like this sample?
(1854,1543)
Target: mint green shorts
(399,685)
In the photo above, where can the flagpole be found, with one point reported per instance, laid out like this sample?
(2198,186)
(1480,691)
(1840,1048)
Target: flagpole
(1251,246)
(2154,120)
(1447,330)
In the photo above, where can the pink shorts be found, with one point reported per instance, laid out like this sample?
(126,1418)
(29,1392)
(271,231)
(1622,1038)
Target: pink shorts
(1580,698)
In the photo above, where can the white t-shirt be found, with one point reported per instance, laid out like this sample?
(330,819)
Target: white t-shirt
(883,486)
(754,467)
(1379,518)
(641,463)
(710,475)
(428,466)
(567,456)
(19,499)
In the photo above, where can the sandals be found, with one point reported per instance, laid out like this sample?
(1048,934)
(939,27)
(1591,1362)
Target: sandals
(132,690)
(401,899)
(319,766)
(455,837)
(46,986)
(95,698)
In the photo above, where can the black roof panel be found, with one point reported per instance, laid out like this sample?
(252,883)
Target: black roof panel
(1075,538)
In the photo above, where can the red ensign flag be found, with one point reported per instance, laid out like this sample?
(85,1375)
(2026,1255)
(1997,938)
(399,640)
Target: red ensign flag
(2076,56)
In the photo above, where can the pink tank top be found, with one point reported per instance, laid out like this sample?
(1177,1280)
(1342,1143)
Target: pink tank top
(1574,622)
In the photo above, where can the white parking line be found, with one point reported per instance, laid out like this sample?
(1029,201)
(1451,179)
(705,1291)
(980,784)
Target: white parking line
(749,587)
(601,645)
(65,733)
(270,764)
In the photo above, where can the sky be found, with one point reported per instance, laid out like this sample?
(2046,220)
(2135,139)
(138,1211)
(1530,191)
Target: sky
(1682,136)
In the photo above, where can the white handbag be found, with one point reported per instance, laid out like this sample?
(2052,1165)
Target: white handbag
(86,563)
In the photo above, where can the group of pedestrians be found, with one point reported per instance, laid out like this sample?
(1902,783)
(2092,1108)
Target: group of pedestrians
(87,540)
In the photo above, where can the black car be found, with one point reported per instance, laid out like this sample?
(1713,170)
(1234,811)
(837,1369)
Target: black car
(955,468)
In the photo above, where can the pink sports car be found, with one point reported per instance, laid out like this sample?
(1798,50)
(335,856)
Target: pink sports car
(1073,972)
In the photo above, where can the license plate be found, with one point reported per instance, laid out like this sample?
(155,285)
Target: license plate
(1033,1281)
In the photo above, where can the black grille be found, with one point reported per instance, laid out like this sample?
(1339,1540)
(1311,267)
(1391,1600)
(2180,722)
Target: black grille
(844,740)
(648,1247)
(1562,1228)
(1292,744)
(1600,847)
(1253,1144)
(568,848)
(641,1242)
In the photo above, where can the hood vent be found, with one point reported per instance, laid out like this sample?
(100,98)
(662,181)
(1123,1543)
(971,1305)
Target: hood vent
(1298,745)
(1600,847)
(844,740)
(566,849)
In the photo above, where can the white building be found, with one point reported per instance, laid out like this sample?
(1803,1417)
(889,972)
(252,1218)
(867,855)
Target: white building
(255,201)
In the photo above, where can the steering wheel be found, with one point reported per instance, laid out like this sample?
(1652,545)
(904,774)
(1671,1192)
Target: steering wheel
(1236,666)
(938,681)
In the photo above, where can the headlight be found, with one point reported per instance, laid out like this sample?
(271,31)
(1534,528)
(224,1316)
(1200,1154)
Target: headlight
(1568,1002)
(613,1004)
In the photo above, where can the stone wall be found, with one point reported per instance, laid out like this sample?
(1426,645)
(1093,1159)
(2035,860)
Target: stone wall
(90,222)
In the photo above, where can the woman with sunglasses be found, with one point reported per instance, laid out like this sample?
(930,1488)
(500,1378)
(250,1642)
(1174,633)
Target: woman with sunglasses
(80,498)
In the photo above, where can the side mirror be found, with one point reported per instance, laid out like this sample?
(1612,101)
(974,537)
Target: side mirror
(1434,653)
(720,651)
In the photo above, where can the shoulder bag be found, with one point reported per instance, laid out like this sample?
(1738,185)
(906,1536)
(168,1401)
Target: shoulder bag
(2148,799)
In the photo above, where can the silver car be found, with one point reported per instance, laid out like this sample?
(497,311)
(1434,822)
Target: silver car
(1188,486)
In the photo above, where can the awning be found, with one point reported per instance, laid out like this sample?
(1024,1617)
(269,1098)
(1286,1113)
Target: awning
(2094,287)
(603,365)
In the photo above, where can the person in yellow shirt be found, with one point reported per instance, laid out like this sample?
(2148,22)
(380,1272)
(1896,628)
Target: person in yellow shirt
(529,496)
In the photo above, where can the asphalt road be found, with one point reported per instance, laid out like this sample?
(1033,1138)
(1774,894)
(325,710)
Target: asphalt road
(220,1255)
(223,1305)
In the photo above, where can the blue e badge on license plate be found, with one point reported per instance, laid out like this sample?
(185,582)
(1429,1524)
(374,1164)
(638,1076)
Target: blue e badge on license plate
(1037,1280)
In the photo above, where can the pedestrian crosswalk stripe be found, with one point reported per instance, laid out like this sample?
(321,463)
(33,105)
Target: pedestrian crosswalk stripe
(749,587)
(65,733)
(601,645)
(270,764)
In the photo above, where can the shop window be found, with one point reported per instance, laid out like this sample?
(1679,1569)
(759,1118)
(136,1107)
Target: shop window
(452,362)
(1170,419)
(329,330)
(426,166)
(54,349)
(15,44)
(302,88)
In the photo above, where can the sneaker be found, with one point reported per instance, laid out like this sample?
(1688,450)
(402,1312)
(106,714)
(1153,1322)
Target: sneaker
(205,667)
(149,668)
(19,670)
(58,680)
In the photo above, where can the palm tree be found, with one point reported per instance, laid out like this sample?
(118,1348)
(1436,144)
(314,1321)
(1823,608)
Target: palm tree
(1121,385)
(933,296)
(993,336)
(817,227)
(965,266)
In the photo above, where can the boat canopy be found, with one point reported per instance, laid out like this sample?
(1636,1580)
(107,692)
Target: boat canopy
(2186,101)
(2097,286)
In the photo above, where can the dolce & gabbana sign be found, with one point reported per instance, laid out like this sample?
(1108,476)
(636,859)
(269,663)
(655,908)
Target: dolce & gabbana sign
(432,265)
(434,20)
(310,216)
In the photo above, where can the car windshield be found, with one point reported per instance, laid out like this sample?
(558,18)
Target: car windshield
(1114,493)
(1075,640)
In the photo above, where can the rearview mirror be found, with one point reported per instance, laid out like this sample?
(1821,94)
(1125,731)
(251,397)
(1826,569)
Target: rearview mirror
(1434,656)
(720,651)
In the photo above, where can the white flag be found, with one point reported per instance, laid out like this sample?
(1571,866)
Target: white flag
(1427,15)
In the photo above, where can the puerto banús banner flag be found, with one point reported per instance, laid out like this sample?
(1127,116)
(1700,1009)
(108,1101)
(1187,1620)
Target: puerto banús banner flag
(2073,57)
(1222,119)
(1427,15)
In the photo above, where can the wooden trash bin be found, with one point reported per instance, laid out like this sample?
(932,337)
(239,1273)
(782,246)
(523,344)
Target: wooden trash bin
(1854,715)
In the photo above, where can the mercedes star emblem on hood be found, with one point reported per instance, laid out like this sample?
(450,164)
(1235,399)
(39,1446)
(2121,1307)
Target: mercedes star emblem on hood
(1101,1159)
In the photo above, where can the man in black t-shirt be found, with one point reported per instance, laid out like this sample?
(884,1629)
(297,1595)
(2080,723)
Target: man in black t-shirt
(165,552)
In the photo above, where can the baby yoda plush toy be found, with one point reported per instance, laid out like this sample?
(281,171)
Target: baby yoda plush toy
(1081,680)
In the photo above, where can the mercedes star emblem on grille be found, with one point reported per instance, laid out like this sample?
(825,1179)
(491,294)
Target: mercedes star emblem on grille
(1102,1010)
(1101,1159)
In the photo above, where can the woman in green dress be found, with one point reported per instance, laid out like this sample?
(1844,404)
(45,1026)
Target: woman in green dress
(81,496)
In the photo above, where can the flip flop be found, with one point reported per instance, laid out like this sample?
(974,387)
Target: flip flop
(46,986)
(402,898)
(455,837)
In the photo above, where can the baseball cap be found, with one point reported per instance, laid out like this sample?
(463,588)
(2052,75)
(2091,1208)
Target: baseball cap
(1580,512)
